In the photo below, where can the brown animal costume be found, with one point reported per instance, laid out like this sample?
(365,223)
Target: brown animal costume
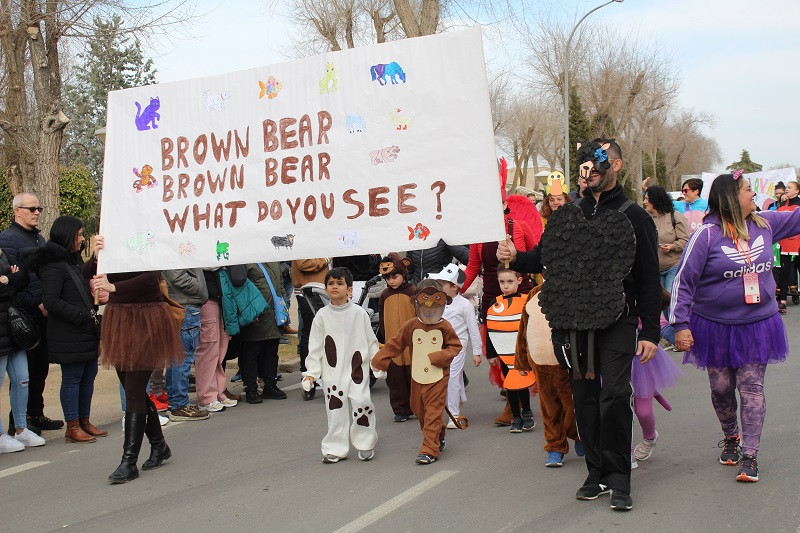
(433,344)
(535,354)
(395,308)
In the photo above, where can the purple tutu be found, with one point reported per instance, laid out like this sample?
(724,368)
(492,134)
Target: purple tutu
(734,345)
(659,373)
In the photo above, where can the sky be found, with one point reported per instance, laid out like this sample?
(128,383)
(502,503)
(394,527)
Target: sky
(738,60)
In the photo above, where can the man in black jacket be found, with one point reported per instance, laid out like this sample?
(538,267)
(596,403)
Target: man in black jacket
(603,406)
(24,234)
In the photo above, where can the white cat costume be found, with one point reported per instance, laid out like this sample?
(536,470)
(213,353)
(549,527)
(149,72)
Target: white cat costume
(340,348)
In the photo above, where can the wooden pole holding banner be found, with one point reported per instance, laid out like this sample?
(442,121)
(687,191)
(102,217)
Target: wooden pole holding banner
(96,291)
(509,235)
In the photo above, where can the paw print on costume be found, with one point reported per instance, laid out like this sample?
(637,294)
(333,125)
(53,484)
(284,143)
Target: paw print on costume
(334,398)
(362,416)
(358,372)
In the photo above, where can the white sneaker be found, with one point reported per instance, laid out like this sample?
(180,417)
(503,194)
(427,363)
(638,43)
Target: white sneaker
(366,455)
(213,407)
(163,420)
(8,444)
(227,402)
(451,425)
(644,449)
(29,439)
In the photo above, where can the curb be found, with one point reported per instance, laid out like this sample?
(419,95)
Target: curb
(290,366)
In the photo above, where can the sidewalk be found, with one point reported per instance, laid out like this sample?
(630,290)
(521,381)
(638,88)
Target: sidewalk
(105,401)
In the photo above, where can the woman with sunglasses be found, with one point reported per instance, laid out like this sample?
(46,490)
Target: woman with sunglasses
(725,316)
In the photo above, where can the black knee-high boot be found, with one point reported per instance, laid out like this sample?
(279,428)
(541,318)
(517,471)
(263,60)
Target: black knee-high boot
(159,451)
(134,433)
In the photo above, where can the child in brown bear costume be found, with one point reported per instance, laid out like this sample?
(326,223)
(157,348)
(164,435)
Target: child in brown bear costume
(433,344)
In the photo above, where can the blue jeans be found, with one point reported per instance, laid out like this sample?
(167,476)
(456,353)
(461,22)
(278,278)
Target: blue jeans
(77,388)
(668,276)
(177,377)
(668,332)
(16,364)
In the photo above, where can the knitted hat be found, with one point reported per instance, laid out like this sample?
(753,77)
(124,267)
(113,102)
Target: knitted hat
(394,264)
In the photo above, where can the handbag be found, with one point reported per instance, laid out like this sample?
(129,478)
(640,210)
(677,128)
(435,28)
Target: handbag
(23,329)
(177,311)
(97,319)
(281,310)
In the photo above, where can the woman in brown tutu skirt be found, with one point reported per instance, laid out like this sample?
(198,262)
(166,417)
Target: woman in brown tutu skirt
(138,335)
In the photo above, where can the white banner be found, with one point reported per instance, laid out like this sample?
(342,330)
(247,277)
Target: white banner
(380,148)
(763,183)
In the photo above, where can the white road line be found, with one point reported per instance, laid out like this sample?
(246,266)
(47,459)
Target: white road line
(396,502)
(22,468)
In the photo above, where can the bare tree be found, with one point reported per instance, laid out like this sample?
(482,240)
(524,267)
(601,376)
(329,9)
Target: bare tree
(629,90)
(332,25)
(32,116)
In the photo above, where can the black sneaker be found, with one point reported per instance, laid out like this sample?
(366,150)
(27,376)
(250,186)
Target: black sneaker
(621,500)
(425,459)
(400,417)
(272,392)
(44,423)
(441,445)
(748,469)
(730,450)
(528,423)
(591,491)
(252,397)
(516,425)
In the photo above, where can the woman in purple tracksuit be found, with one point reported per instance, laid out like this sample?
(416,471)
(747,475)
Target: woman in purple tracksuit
(725,314)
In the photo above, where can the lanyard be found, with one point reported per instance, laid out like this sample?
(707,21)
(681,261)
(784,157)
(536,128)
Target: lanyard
(739,248)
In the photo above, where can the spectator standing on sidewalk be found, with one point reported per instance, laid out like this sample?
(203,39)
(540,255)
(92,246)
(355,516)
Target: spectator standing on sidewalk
(71,333)
(259,357)
(188,288)
(13,361)
(212,346)
(24,234)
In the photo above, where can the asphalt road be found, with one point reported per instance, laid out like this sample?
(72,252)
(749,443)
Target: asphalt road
(259,467)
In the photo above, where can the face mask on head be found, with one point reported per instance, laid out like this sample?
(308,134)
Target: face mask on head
(592,156)
(429,305)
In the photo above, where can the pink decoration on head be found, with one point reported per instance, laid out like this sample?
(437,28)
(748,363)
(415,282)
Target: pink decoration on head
(738,174)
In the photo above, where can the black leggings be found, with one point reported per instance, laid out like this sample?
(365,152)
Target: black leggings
(135,384)
(520,399)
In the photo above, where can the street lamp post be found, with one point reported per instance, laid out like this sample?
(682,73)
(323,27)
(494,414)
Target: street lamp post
(566,90)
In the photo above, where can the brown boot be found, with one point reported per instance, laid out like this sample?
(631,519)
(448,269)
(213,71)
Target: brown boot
(89,428)
(76,434)
(506,417)
(231,396)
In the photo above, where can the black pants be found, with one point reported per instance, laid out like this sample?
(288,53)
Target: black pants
(305,301)
(135,384)
(603,407)
(258,358)
(38,367)
(788,275)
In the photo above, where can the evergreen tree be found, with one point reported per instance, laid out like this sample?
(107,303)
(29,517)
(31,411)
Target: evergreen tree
(112,61)
(578,132)
(657,170)
(745,163)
